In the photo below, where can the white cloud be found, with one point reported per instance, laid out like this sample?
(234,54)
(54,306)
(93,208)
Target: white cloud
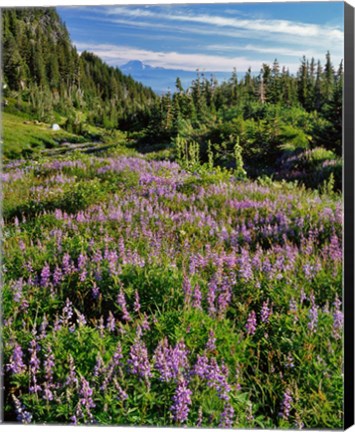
(293,28)
(118,55)
(274,51)
(312,40)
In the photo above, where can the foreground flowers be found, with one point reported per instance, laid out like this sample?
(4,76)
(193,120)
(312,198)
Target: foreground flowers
(140,294)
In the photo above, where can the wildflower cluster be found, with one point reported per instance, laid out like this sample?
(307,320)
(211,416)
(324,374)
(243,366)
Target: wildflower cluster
(141,294)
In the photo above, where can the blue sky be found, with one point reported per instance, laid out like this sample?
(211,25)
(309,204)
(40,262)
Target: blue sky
(213,37)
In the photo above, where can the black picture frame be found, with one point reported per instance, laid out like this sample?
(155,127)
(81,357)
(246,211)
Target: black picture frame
(348,194)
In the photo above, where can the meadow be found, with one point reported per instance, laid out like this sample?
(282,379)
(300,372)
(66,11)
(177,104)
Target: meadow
(146,292)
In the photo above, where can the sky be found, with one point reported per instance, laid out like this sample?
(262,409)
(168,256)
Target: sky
(212,37)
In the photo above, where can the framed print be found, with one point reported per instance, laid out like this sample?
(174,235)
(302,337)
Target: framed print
(178,215)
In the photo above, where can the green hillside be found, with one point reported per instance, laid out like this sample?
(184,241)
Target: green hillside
(45,73)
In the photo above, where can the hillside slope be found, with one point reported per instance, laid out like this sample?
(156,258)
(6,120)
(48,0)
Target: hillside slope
(45,73)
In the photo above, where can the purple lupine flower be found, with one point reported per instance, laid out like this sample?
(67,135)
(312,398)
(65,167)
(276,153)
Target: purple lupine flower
(266,266)
(178,358)
(313,315)
(186,287)
(298,422)
(139,331)
(17,290)
(97,276)
(197,297)
(122,302)
(28,266)
(34,366)
(86,397)
(192,265)
(303,296)
(111,323)
(67,313)
(71,378)
(95,290)
(217,378)
(224,299)
(122,395)
(98,369)
(82,260)
(81,320)
(211,297)
(201,366)
(112,262)
(57,276)
(289,362)
(199,418)
(293,310)
(121,248)
(49,364)
(43,327)
(57,323)
(338,319)
(293,305)
(45,275)
(138,360)
(101,326)
(67,265)
(24,304)
(227,416)
(249,413)
(265,312)
(325,308)
(137,305)
(211,343)
(245,267)
(251,323)
(335,250)
(162,361)
(237,377)
(22,415)
(48,368)
(97,257)
(286,405)
(16,364)
(115,362)
(181,401)
(145,322)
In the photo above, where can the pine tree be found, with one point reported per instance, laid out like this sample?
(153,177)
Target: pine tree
(328,78)
(302,83)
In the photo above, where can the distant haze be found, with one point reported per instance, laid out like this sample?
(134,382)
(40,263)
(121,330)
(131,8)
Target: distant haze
(162,80)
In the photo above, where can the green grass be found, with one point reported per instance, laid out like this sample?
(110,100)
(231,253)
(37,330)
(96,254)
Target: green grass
(23,137)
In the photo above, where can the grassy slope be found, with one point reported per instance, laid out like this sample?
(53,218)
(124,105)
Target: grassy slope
(23,137)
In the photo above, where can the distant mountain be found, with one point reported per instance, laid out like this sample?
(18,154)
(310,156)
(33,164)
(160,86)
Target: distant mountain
(135,66)
(161,80)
